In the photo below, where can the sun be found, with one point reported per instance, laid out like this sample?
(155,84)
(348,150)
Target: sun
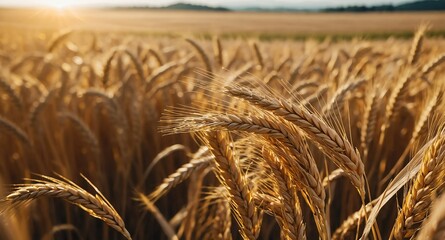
(60,6)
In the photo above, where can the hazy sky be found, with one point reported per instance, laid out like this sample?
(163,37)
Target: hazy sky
(225,3)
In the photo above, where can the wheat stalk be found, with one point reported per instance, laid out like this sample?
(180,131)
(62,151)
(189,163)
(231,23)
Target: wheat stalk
(162,221)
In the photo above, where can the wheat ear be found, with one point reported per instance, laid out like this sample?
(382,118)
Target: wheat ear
(181,174)
(88,136)
(302,167)
(58,40)
(283,62)
(311,100)
(150,81)
(434,227)
(348,227)
(223,220)
(429,110)
(269,125)
(107,68)
(157,56)
(95,205)
(305,84)
(240,72)
(16,100)
(416,46)
(293,226)
(137,64)
(217,50)
(369,123)
(258,55)
(334,175)
(38,107)
(420,129)
(345,156)
(269,204)
(429,67)
(395,100)
(417,203)
(205,59)
(15,130)
(339,97)
(231,177)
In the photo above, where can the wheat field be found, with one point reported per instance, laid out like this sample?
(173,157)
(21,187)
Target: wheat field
(107,135)
(263,24)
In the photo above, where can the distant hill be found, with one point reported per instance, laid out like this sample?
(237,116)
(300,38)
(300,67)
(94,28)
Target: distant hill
(427,5)
(187,6)
(278,9)
(422,6)
(180,6)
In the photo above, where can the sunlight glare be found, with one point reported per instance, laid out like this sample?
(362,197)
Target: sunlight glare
(59,5)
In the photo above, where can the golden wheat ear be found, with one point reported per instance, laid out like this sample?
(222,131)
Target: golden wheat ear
(434,226)
(95,205)
(417,204)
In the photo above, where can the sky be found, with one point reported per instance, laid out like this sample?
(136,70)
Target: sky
(223,3)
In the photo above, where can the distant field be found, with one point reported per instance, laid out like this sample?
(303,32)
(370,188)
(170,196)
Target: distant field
(223,23)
